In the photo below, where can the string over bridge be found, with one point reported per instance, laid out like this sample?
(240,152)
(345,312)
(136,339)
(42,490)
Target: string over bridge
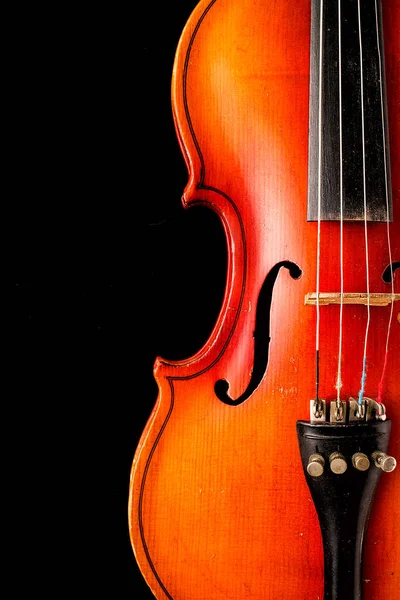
(372,299)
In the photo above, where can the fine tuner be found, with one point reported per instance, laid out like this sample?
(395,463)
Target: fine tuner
(338,463)
(342,412)
(369,411)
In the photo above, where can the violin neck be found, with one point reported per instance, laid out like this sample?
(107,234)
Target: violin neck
(348,126)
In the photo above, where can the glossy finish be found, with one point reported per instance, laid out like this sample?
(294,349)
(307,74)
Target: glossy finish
(343,498)
(219,507)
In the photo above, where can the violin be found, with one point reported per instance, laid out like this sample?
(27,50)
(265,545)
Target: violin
(267,468)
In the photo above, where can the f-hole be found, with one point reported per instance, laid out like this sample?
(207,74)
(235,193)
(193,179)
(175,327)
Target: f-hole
(261,336)
(387,274)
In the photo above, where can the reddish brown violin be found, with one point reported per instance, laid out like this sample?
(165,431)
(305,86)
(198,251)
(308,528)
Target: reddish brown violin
(267,468)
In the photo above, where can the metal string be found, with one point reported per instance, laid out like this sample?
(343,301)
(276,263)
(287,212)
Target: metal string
(380,385)
(364,368)
(339,373)
(319,197)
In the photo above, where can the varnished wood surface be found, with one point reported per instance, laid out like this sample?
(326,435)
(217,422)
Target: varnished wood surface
(219,507)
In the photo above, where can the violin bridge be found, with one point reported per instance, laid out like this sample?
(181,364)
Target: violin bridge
(350,298)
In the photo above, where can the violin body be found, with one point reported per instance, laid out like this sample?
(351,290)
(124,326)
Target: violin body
(219,507)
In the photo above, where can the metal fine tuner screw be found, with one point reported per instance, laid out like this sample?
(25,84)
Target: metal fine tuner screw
(315,466)
(384,462)
(360,461)
(337,463)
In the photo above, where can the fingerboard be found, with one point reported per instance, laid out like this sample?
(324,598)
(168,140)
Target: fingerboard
(349,167)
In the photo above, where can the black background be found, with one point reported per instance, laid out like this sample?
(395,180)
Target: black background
(107,272)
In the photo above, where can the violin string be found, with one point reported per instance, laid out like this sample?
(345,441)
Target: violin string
(364,367)
(380,384)
(319,196)
(339,373)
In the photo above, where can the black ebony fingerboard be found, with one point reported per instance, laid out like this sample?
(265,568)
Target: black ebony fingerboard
(348,160)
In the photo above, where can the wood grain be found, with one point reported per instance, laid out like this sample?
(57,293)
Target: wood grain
(219,507)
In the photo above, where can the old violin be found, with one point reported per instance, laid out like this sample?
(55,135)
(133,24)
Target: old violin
(267,469)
